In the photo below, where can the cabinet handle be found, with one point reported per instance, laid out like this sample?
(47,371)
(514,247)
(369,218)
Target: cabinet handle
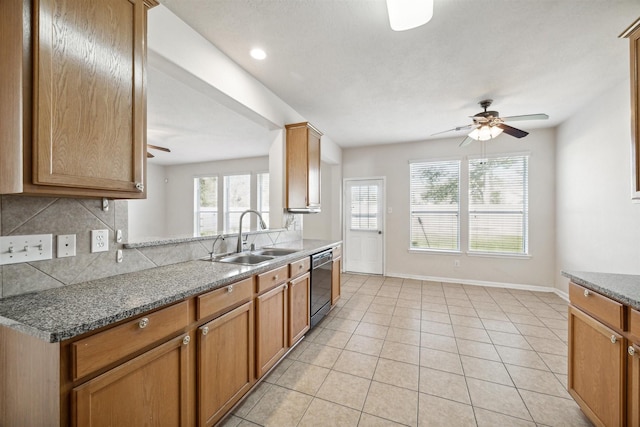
(143,322)
(229,289)
(139,186)
(286,286)
(614,339)
(586,292)
(186,340)
(300,267)
(205,330)
(631,350)
(275,277)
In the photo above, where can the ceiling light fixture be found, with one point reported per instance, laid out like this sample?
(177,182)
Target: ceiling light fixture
(408,14)
(485,133)
(257,53)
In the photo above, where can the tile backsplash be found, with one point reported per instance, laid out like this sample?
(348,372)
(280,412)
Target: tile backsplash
(22,215)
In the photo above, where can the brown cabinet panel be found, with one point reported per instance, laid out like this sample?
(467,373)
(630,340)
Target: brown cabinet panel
(299,267)
(215,302)
(599,306)
(303,160)
(148,390)
(633,34)
(596,368)
(299,308)
(225,362)
(272,278)
(633,385)
(335,280)
(271,328)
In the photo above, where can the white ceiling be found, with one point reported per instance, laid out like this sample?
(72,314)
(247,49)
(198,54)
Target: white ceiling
(340,66)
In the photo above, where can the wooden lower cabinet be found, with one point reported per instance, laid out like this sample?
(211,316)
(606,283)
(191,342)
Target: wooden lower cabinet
(596,368)
(633,384)
(149,390)
(335,280)
(271,328)
(299,307)
(225,363)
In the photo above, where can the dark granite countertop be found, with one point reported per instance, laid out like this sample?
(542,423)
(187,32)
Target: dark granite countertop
(58,314)
(624,288)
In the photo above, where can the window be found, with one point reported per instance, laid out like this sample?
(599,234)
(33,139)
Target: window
(364,207)
(206,205)
(435,207)
(237,199)
(263,196)
(498,205)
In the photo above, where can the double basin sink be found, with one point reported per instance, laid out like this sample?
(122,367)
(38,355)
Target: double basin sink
(254,257)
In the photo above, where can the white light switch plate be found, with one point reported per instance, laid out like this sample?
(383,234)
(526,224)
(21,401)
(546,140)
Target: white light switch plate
(99,240)
(17,249)
(66,245)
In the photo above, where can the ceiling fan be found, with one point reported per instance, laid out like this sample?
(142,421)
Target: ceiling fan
(156,147)
(488,125)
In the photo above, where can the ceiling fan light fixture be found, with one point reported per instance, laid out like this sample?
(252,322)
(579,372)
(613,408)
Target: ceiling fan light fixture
(485,133)
(408,14)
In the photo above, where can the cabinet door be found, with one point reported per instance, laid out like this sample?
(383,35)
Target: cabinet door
(335,280)
(633,385)
(89,95)
(596,368)
(150,390)
(225,363)
(313,180)
(271,328)
(299,307)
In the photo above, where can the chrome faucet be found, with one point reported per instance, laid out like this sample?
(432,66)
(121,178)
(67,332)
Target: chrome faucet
(213,247)
(263,226)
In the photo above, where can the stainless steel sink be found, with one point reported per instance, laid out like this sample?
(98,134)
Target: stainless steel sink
(274,252)
(246,259)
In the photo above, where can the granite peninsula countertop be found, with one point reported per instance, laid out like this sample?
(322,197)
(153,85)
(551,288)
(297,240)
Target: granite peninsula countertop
(623,288)
(61,313)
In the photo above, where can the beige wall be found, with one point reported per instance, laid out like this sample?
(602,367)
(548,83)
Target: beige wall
(392,162)
(598,224)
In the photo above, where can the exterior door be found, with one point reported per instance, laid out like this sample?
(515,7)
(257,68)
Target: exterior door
(364,223)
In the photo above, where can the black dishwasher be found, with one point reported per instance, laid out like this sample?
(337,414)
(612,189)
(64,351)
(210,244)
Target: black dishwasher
(321,266)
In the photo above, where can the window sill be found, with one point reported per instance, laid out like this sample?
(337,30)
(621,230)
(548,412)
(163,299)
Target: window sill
(498,255)
(434,251)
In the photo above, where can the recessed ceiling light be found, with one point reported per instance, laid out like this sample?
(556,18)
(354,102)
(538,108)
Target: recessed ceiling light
(258,54)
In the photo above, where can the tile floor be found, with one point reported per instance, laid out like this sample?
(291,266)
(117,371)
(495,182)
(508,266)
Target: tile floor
(397,352)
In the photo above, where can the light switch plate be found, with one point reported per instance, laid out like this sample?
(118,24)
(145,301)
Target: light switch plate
(66,245)
(99,240)
(17,249)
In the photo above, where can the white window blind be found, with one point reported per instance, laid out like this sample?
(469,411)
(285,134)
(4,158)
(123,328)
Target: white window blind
(435,208)
(237,199)
(263,196)
(364,207)
(498,205)
(206,205)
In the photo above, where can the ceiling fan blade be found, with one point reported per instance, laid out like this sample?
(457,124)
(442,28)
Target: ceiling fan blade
(457,128)
(149,155)
(540,116)
(155,147)
(468,140)
(512,131)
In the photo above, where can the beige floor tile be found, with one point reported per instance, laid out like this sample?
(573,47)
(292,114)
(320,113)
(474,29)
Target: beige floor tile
(438,342)
(400,352)
(554,411)
(394,403)
(472,322)
(278,370)
(462,311)
(500,326)
(477,349)
(437,307)
(438,412)
(377,318)
(358,364)
(344,389)
(441,360)
(385,300)
(519,357)
(388,291)
(536,331)
(557,364)
(303,377)
(405,323)
(252,399)
(368,420)
(436,328)
(459,302)
(371,330)
(444,384)
(433,299)
(492,315)
(299,349)
(365,345)
(231,421)
(562,334)
(551,346)
(342,325)
(380,308)
(497,397)
(396,373)
(351,314)
(537,380)
(487,306)
(322,413)
(548,316)
(332,338)
(487,370)
(509,340)
(493,419)
(320,355)
(413,301)
(516,316)
(403,336)
(413,313)
(279,407)
(434,316)
(474,334)
(564,380)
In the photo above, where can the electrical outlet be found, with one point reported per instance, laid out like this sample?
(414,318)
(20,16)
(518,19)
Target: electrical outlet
(66,245)
(456,263)
(99,241)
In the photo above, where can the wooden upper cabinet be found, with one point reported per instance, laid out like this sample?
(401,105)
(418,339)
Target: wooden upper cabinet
(303,168)
(633,34)
(83,101)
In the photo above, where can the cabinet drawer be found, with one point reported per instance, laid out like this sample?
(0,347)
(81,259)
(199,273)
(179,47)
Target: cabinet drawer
(597,305)
(216,301)
(299,267)
(104,348)
(634,323)
(337,252)
(272,278)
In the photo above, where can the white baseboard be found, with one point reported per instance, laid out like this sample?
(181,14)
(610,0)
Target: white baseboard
(562,294)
